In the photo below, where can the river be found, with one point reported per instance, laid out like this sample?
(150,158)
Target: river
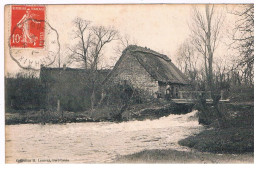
(95,142)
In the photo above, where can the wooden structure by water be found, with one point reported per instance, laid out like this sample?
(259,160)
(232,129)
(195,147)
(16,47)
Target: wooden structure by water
(191,97)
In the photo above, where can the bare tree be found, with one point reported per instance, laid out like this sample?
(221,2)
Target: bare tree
(187,60)
(205,29)
(88,50)
(243,41)
(80,51)
(101,37)
(123,42)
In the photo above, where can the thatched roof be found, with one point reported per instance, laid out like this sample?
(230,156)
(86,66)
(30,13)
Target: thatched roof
(159,66)
(48,74)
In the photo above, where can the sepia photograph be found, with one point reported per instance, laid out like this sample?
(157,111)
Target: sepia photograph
(129,83)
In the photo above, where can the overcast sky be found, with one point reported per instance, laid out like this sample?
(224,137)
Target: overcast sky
(159,27)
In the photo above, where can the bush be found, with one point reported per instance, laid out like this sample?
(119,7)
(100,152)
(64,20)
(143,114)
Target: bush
(24,93)
(241,94)
(233,134)
(231,140)
(118,94)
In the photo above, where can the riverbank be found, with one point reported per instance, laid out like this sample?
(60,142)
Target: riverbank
(174,156)
(150,110)
(232,142)
(37,117)
(235,134)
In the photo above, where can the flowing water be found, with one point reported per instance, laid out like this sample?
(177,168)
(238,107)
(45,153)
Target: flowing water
(92,142)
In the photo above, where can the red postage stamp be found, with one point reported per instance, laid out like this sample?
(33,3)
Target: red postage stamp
(27,26)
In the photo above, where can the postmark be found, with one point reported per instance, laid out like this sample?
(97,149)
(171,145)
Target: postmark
(33,41)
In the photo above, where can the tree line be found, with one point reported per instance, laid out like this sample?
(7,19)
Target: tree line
(216,74)
(197,55)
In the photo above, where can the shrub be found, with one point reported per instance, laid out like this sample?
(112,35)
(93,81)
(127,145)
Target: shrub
(231,140)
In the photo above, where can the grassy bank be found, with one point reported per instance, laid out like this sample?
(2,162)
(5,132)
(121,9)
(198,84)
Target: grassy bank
(33,117)
(173,156)
(235,133)
(149,110)
(228,140)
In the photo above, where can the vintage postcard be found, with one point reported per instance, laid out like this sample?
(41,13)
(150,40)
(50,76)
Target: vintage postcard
(129,83)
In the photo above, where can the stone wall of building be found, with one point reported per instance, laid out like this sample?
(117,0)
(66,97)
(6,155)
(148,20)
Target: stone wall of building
(135,74)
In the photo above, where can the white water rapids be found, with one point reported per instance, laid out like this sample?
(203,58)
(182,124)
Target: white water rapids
(93,142)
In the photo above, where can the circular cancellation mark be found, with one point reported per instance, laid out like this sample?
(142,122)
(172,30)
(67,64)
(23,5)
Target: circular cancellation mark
(33,42)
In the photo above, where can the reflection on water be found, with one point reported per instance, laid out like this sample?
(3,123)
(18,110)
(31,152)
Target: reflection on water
(96,142)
